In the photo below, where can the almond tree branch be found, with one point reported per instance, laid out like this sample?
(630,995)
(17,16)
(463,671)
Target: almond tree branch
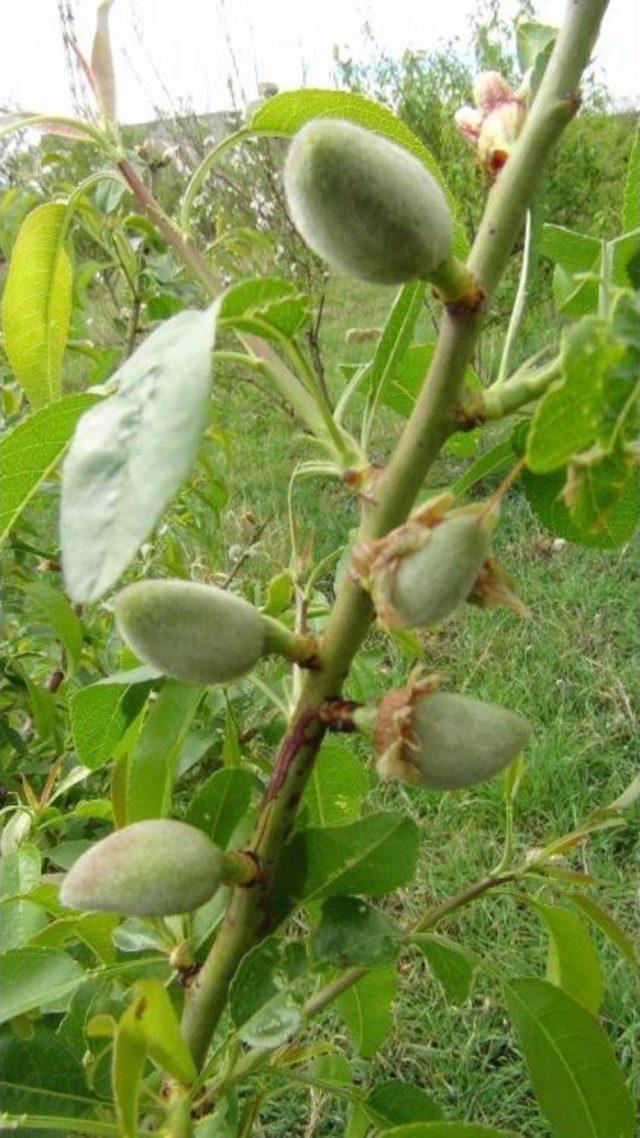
(249,915)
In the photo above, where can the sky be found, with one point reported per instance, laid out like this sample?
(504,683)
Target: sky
(176,54)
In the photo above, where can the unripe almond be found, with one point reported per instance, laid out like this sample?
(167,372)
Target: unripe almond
(431,582)
(191,631)
(365,204)
(443,740)
(149,869)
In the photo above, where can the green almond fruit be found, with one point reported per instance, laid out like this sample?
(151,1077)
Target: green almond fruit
(456,741)
(149,869)
(365,204)
(430,583)
(191,631)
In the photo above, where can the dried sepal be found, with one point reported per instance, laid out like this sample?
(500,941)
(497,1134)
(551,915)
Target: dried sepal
(493,587)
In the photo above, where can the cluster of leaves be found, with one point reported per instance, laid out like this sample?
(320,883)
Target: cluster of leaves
(92,1000)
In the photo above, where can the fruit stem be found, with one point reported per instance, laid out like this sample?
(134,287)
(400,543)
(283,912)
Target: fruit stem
(365,719)
(455,285)
(283,641)
(240,868)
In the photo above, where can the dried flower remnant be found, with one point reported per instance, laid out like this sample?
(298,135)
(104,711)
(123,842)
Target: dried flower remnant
(493,125)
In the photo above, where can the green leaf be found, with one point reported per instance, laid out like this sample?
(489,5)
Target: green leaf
(624,260)
(59,615)
(148,1027)
(221,802)
(451,965)
(532,39)
(35,977)
(631,203)
(130,454)
(576,252)
(373,855)
(151,1017)
(273,1024)
(246,297)
(607,924)
(572,962)
(571,1062)
(286,113)
(127,1065)
(573,254)
(595,485)
(31,451)
(600,378)
(280,592)
(544,493)
(366,1009)
(19,923)
(352,932)
(446,1130)
(499,457)
(393,1101)
(20,871)
(36,304)
(102,713)
(40,1075)
(253,984)
(396,337)
(336,786)
(401,391)
(266,306)
(52,1123)
(153,762)
(576,294)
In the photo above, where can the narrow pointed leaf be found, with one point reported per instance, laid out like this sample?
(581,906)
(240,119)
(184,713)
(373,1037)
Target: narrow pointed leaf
(33,977)
(102,713)
(631,205)
(153,762)
(572,1064)
(572,962)
(396,1102)
(607,924)
(30,453)
(366,1009)
(220,803)
(336,787)
(450,964)
(36,304)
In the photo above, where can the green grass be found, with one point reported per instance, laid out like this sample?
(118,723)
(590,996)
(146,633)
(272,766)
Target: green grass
(570,668)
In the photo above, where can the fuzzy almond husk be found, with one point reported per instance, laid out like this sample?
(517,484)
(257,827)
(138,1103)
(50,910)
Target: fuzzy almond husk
(365,204)
(191,631)
(442,740)
(421,572)
(152,868)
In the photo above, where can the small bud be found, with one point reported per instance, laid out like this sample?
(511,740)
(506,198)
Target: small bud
(149,869)
(421,572)
(443,740)
(365,204)
(191,631)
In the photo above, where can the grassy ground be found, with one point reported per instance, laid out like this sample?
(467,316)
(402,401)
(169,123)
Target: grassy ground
(570,669)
